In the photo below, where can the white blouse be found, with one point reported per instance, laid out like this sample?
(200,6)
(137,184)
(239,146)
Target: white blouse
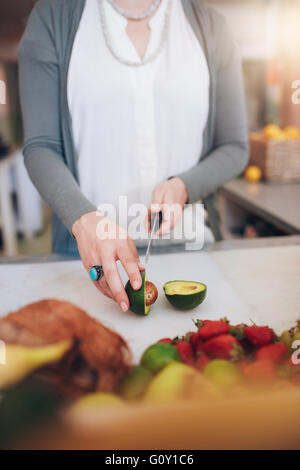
(134,127)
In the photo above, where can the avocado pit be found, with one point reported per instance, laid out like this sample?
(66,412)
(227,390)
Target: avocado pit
(151,293)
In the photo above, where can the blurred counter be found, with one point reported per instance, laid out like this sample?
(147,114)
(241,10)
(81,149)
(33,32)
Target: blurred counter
(226,245)
(276,203)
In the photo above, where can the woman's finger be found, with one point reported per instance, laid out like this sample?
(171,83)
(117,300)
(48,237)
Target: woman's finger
(114,282)
(157,198)
(131,267)
(104,287)
(135,254)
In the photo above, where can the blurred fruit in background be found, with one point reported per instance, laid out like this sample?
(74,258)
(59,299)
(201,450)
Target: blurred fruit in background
(253,174)
(274,132)
(292,132)
(97,400)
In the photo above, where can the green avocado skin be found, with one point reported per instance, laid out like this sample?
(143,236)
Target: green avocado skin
(186,302)
(137,297)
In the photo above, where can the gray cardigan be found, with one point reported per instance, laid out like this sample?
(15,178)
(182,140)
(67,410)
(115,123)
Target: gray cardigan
(44,56)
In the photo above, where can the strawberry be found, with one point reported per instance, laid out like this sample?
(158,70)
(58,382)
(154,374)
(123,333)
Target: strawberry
(192,338)
(272,352)
(189,335)
(165,340)
(195,342)
(201,361)
(209,328)
(198,345)
(259,335)
(185,351)
(223,347)
(259,371)
(237,331)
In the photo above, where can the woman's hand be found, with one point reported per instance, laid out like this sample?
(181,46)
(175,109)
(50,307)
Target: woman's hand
(170,198)
(102,242)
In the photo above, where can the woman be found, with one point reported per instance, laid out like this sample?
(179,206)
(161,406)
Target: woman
(142,98)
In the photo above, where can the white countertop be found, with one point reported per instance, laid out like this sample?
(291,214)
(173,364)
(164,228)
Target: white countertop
(267,280)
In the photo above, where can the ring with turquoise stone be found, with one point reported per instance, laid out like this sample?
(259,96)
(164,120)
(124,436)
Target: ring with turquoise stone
(96,273)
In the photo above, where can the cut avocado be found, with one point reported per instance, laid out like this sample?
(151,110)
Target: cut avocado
(185,295)
(137,298)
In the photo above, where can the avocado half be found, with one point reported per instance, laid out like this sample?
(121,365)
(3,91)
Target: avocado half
(185,295)
(137,298)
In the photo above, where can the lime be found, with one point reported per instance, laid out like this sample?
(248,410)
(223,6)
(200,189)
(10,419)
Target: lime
(157,356)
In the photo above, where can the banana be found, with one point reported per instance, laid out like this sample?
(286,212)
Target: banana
(19,361)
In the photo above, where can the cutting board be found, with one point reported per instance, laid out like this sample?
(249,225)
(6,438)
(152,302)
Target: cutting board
(22,284)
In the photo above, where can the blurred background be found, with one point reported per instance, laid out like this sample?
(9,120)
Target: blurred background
(262,203)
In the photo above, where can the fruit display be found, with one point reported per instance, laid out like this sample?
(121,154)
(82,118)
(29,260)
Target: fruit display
(274,132)
(69,366)
(274,155)
(185,295)
(58,343)
(216,359)
(140,300)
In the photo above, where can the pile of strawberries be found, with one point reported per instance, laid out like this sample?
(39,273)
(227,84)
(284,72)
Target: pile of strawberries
(258,352)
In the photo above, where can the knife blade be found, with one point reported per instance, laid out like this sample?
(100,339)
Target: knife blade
(154,228)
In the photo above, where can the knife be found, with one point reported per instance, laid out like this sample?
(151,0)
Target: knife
(156,220)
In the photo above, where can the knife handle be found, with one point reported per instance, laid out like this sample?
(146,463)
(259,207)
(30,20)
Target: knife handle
(160,219)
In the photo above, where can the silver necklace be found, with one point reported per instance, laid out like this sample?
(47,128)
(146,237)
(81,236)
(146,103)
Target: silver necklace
(109,45)
(155,4)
